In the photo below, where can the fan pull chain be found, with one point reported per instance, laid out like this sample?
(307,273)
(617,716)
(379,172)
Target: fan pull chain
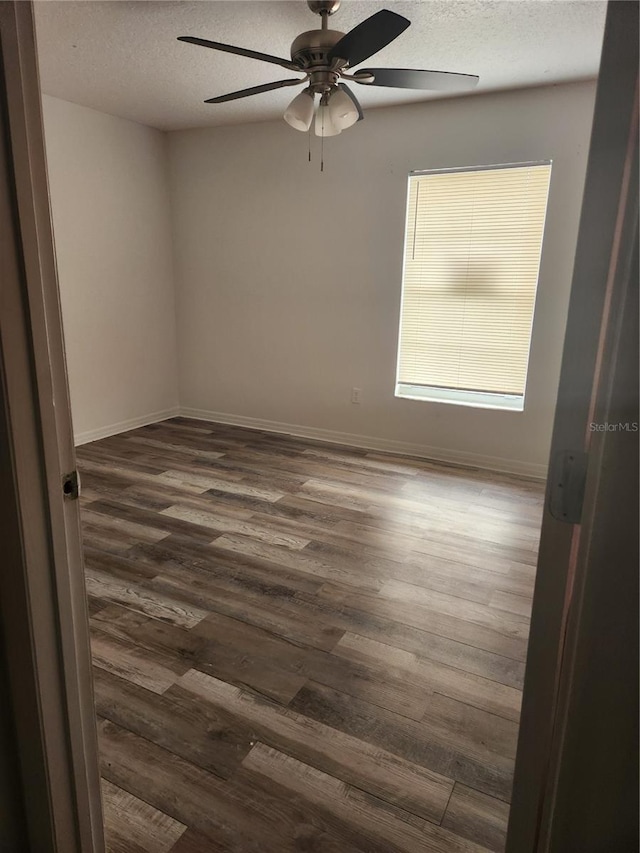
(309,138)
(322,145)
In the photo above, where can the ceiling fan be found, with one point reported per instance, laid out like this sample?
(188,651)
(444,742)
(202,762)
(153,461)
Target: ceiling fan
(326,57)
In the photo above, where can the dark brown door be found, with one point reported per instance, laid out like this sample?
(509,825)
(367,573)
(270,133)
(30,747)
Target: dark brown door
(576,780)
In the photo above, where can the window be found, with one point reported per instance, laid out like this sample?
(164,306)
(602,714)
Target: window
(472,255)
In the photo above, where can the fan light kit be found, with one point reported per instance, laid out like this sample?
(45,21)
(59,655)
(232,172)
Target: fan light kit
(326,57)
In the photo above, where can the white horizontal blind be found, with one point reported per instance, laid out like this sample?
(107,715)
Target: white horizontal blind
(472,257)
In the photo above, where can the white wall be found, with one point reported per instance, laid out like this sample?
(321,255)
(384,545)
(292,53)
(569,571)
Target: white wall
(112,228)
(288,279)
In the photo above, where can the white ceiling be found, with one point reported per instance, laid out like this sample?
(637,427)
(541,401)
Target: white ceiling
(122,57)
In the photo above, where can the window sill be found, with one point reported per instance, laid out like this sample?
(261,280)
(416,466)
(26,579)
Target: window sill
(474,399)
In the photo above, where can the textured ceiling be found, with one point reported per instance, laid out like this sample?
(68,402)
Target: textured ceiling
(122,57)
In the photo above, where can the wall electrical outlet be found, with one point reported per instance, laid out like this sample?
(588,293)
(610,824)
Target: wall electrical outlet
(356,395)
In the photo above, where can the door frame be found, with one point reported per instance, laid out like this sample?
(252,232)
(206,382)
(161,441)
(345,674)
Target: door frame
(43,607)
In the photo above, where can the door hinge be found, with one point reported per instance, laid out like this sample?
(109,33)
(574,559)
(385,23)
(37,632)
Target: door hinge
(566,485)
(71,486)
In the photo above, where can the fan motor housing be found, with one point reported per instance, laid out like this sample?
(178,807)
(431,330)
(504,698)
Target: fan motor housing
(311,49)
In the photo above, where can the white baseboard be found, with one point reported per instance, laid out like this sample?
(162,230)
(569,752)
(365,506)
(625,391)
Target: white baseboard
(123,426)
(366,442)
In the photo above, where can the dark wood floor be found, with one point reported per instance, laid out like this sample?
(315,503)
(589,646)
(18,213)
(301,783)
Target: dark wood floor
(303,647)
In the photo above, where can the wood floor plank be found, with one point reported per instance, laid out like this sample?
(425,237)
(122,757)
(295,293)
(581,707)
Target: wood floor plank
(512,603)
(122,527)
(241,817)
(226,525)
(511,523)
(442,511)
(398,831)
(254,476)
(159,520)
(270,608)
(481,556)
(456,754)
(306,619)
(381,496)
(433,539)
(104,540)
(480,480)
(379,562)
(131,477)
(432,647)
(325,542)
(133,826)
(343,474)
(456,578)
(211,568)
(95,605)
(207,481)
(302,562)
(491,638)
(334,495)
(449,605)
(362,615)
(151,670)
(119,566)
(138,629)
(219,503)
(429,677)
(180,557)
(497,549)
(437,512)
(138,497)
(381,773)
(226,648)
(182,448)
(365,461)
(196,731)
(320,511)
(102,452)
(179,470)
(195,842)
(161,606)
(99,481)
(478,817)
(252,656)
(368,679)
(471,728)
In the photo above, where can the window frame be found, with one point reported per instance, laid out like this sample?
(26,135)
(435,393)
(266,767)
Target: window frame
(460,396)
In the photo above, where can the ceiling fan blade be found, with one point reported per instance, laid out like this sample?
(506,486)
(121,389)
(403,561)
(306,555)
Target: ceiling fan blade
(407,78)
(356,103)
(369,37)
(254,90)
(241,51)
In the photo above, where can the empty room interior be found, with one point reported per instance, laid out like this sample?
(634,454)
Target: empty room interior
(313,337)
